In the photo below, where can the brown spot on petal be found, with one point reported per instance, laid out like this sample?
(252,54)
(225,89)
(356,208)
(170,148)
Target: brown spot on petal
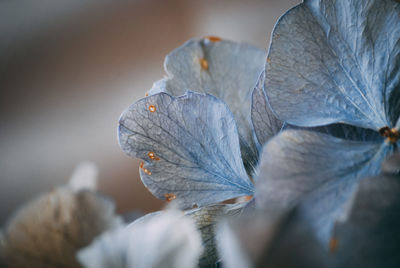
(392,135)
(152,108)
(204,64)
(148,172)
(248,197)
(213,39)
(169,197)
(153,156)
(333,245)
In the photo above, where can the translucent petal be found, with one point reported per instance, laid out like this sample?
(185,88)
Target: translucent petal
(163,240)
(265,123)
(225,69)
(336,61)
(318,169)
(84,177)
(48,231)
(370,236)
(189,145)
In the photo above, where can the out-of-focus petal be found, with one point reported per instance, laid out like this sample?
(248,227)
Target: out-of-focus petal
(165,239)
(84,177)
(48,231)
(269,238)
(370,235)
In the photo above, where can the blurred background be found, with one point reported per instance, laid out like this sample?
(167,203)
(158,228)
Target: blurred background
(69,68)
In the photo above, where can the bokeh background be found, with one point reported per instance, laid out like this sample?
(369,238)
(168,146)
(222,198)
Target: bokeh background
(69,68)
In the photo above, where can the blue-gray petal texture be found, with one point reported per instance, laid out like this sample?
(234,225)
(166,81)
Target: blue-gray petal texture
(317,169)
(225,69)
(265,123)
(189,145)
(370,236)
(343,131)
(336,61)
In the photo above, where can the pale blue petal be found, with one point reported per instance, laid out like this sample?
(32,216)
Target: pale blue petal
(230,74)
(317,169)
(265,123)
(370,236)
(189,145)
(166,239)
(336,61)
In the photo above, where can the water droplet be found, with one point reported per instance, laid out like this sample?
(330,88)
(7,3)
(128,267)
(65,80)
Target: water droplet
(169,197)
(213,39)
(152,108)
(204,64)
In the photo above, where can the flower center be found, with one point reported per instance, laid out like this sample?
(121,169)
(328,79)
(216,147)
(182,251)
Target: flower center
(392,135)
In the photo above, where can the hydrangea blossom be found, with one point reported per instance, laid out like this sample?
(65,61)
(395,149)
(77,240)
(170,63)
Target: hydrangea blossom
(331,62)
(325,192)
